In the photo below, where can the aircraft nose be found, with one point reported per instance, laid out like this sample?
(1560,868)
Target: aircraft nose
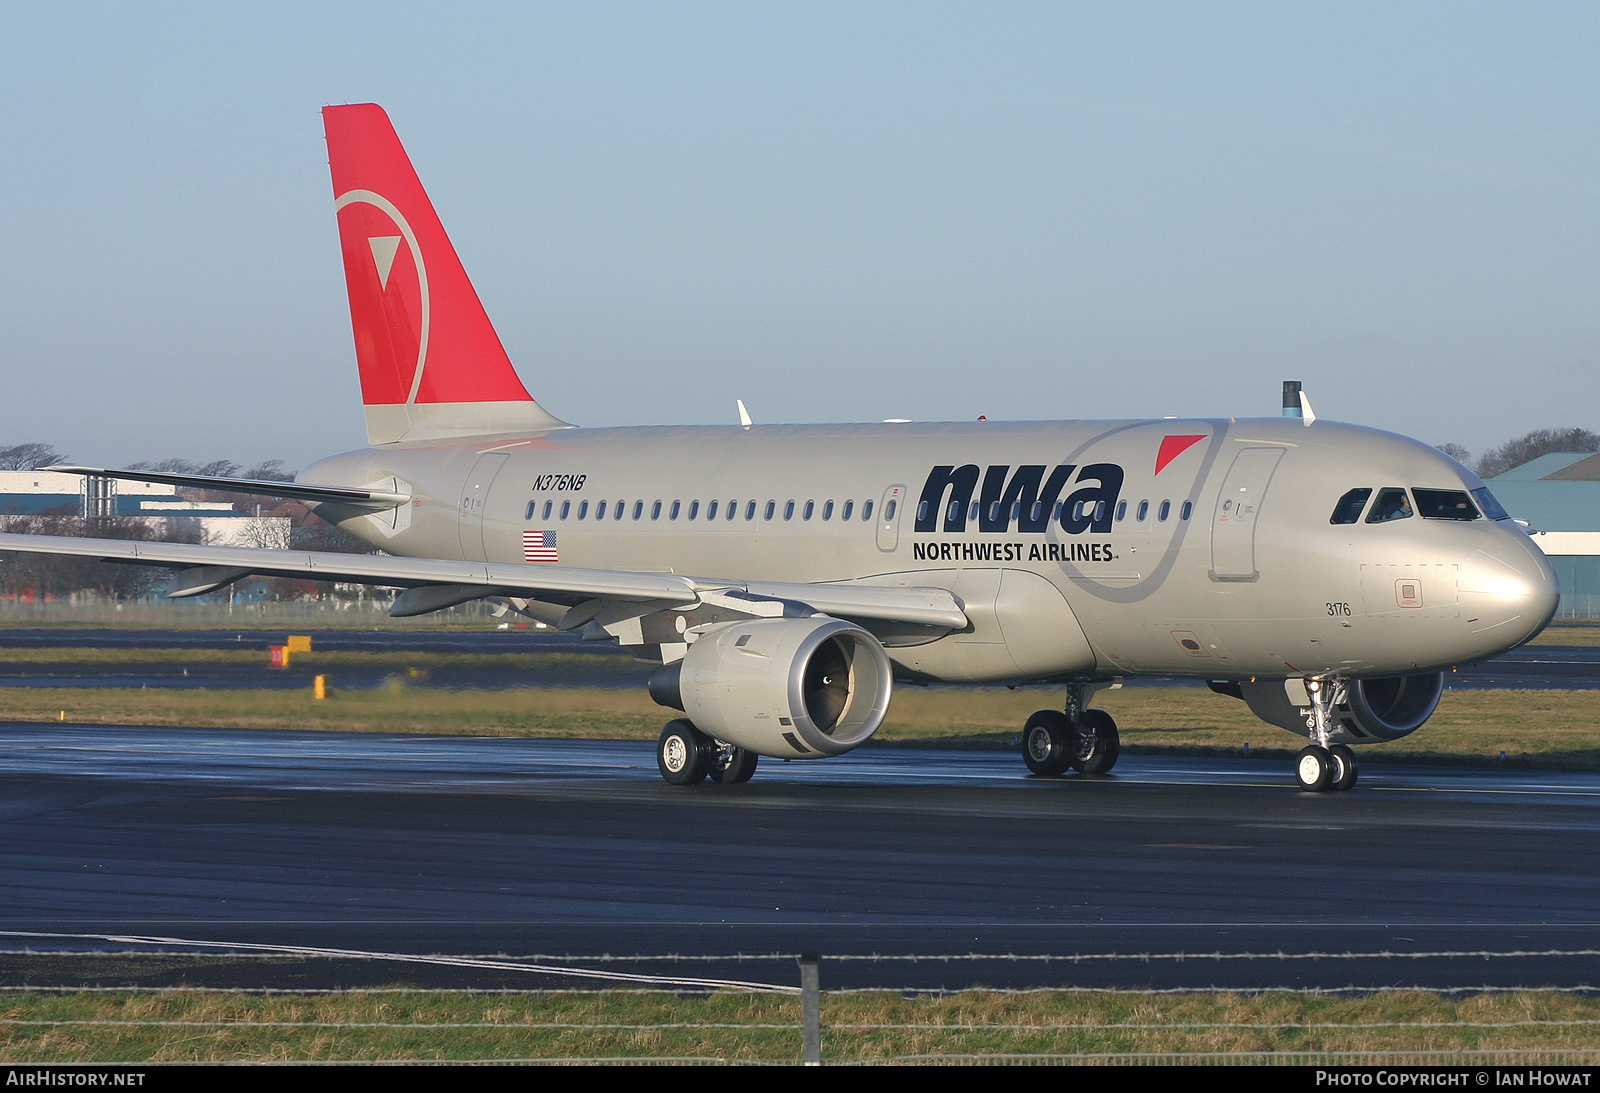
(1508,589)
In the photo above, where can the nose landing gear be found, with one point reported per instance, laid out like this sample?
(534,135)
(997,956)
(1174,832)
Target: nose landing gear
(1321,765)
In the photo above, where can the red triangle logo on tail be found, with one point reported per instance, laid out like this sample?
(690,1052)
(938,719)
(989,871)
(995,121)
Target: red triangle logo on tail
(1174,446)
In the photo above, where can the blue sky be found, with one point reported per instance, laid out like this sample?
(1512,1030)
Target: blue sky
(833,211)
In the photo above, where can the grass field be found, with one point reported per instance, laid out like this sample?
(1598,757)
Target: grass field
(205,1026)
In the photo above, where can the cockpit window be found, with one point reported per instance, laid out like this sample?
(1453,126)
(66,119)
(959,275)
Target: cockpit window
(1491,508)
(1392,504)
(1444,504)
(1348,510)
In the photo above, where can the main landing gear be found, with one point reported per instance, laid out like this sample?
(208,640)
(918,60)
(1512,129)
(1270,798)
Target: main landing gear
(1323,766)
(1085,740)
(686,757)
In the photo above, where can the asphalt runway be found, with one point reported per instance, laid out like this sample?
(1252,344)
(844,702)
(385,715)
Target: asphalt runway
(415,844)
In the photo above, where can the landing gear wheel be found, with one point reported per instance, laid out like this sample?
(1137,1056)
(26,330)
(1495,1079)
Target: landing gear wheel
(684,753)
(1314,768)
(1048,742)
(1098,743)
(1345,768)
(730,765)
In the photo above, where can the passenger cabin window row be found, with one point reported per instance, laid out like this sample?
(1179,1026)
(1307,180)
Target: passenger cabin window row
(1396,503)
(696,510)
(1082,511)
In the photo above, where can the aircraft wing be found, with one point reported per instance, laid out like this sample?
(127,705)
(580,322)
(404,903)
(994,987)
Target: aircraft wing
(299,491)
(435,583)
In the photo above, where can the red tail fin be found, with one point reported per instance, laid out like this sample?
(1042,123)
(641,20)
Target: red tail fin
(431,363)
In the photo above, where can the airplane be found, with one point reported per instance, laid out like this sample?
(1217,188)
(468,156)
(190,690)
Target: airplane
(786,577)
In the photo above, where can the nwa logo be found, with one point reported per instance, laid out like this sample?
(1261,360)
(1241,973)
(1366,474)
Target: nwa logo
(1026,500)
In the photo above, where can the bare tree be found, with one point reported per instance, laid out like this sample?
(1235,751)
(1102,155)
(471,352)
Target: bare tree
(1456,452)
(1514,453)
(29,457)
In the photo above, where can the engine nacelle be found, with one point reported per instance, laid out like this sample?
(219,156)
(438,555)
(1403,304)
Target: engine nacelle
(1368,711)
(788,688)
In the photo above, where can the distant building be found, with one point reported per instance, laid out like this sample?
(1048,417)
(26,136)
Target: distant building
(1558,496)
(26,494)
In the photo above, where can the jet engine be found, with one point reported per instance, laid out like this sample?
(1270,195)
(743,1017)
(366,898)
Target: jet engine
(1365,711)
(788,688)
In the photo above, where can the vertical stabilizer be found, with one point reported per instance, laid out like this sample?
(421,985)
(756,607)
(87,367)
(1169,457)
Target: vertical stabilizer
(431,364)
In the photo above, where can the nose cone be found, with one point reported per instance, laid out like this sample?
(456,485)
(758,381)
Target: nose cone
(1508,590)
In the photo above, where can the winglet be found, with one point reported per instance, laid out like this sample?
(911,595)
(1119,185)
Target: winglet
(744,415)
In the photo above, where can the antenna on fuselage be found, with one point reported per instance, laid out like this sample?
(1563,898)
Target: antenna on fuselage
(1295,403)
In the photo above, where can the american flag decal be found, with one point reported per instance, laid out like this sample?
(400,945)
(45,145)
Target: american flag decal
(539,546)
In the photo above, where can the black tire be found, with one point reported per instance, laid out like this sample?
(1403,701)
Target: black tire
(1313,768)
(1098,745)
(1048,739)
(683,753)
(731,765)
(1345,768)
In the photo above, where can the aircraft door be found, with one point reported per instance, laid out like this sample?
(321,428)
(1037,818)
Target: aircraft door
(894,500)
(1233,523)
(474,500)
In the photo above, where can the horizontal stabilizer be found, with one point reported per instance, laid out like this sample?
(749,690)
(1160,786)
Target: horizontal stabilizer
(298,491)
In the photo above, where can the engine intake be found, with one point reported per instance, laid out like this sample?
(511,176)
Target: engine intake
(1370,711)
(788,688)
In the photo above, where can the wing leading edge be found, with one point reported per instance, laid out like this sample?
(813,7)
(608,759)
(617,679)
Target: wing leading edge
(435,583)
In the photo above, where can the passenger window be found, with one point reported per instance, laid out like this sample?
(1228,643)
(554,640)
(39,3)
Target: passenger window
(694,509)
(866,510)
(1122,510)
(1348,510)
(547,505)
(1144,510)
(750,511)
(676,507)
(583,510)
(888,511)
(922,511)
(772,507)
(655,511)
(620,506)
(1444,504)
(811,506)
(827,510)
(788,510)
(638,509)
(1166,510)
(600,511)
(844,513)
(532,507)
(566,507)
(711,511)
(1188,507)
(1391,504)
(733,509)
